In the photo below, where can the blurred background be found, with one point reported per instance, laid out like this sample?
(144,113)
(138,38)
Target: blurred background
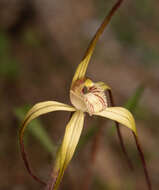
(41,44)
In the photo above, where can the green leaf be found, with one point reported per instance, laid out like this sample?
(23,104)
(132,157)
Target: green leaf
(133,101)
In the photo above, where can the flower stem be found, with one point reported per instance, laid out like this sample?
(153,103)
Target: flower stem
(119,134)
(143,162)
(52,181)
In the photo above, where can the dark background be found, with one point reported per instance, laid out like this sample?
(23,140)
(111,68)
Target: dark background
(41,44)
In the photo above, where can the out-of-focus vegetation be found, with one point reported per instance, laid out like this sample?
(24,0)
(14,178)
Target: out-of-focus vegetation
(38,54)
(9,67)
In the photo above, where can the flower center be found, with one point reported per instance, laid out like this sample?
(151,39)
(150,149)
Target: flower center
(88,96)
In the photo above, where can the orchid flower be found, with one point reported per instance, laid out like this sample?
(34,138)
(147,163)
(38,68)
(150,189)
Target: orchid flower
(86,96)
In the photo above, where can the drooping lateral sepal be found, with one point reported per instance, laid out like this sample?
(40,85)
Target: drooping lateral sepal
(82,67)
(120,115)
(66,151)
(37,110)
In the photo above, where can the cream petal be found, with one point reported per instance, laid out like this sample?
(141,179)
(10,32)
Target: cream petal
(67,149)
(37,110)
(121,115)
(46,107)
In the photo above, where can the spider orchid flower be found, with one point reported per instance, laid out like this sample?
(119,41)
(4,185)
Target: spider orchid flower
(86,96)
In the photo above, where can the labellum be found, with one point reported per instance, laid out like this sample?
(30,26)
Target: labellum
(88,96)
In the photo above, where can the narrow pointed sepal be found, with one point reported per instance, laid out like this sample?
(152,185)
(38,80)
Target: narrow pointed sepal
(37,110)
(67,149)
(120,115)
(46,107)
(43,108)
(82,67)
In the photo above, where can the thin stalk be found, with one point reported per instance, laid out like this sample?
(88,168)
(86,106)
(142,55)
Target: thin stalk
(120,135)
(148,181)
(93,155)
(138,148)
(26,162)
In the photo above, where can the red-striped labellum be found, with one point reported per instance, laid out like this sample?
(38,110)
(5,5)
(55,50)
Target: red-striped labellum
(88,96)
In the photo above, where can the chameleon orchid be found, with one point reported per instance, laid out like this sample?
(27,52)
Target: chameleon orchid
(86,96)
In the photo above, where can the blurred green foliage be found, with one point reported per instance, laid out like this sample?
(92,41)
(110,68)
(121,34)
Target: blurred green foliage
(133,102)
(125,30)
(149,55)
(98,184)
(9,67)
(31,38)
(88,136)
(126,26)
(144,10)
